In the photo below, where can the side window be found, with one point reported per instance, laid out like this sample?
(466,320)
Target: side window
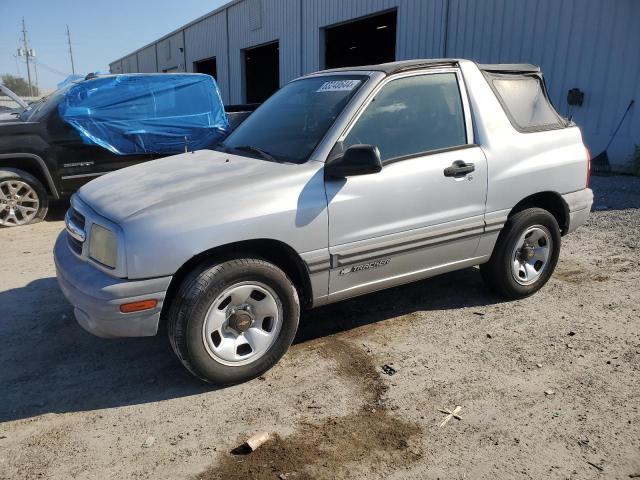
(525,100)
(412,115)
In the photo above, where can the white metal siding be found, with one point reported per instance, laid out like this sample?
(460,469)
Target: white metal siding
(116,67)
(279,20)
(206,39)
(419,29)
(169,55)
(130,64)
(589,44)
(147,60)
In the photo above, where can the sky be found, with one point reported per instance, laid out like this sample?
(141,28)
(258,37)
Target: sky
(101,31)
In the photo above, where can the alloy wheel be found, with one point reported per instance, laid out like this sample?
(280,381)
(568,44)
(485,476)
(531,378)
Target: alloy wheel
(19,203)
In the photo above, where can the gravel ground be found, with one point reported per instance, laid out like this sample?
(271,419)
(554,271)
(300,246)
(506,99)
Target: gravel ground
(76,406)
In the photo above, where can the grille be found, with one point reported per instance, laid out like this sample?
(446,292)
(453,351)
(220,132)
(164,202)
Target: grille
(77,217)
(74,244)
(79,221)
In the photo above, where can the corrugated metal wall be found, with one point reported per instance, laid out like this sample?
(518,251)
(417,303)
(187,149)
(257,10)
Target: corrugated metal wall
(589,44)
(593,45)
(130,64)
(256,22)
(208,38)
(116,67)
(420,26)
(147,60)
(171,53)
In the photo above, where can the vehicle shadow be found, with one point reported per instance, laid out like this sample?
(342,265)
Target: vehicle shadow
(459,289)
(50,365)
(57,209)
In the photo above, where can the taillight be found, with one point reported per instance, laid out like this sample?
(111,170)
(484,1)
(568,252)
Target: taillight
(588,166)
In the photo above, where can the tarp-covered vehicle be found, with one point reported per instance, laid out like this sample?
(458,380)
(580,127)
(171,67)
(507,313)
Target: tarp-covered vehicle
(103,123)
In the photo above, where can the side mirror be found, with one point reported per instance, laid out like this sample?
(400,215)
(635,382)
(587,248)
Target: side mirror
(357,160)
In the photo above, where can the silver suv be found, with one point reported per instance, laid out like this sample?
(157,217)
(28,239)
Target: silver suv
(344,182)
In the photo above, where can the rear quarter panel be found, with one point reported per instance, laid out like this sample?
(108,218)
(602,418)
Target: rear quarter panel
(521,164)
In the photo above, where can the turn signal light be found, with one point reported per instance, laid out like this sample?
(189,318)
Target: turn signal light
(138,306)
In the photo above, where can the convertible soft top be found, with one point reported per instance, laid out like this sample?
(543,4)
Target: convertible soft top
(146,113)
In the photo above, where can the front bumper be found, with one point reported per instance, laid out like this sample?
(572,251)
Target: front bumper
(579,205)
(96,296)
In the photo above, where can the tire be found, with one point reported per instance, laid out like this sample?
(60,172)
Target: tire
(23,199)
(513,271)
(213,304)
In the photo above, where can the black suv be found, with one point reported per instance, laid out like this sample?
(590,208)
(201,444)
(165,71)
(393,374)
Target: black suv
(43,157)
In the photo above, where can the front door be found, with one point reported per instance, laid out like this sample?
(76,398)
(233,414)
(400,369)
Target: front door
(424,211)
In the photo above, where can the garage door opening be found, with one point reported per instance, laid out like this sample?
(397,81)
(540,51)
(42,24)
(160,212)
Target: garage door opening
(261,72)
(367,41)
(208,66)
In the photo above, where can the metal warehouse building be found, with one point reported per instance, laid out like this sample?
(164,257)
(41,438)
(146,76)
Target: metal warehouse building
(253,46)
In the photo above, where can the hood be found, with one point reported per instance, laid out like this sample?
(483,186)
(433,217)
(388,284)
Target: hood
(188,177)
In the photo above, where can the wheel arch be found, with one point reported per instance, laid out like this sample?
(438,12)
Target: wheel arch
(32,164)
(273,251)
(549,201)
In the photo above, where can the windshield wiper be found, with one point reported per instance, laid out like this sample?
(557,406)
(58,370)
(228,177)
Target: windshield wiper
(263,153)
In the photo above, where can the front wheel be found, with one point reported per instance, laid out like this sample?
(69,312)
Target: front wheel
(525,254)
(234,320)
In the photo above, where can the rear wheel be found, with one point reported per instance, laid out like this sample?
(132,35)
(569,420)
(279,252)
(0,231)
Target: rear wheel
(23,199)
(234,320)
(525,254)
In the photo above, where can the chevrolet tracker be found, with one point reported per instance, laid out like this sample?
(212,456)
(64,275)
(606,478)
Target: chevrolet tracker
(343,182)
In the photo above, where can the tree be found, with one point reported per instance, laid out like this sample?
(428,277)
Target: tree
(19,85)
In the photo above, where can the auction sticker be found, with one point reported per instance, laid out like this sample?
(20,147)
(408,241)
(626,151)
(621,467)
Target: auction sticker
(339,86)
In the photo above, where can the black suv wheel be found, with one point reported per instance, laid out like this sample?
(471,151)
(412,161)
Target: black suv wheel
(23,199)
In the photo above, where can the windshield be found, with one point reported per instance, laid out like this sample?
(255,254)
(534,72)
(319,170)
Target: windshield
(291,123)
(36,110)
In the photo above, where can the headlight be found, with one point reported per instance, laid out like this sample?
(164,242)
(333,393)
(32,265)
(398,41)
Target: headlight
(103,246)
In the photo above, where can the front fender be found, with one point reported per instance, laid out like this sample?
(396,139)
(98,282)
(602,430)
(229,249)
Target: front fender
(291,209)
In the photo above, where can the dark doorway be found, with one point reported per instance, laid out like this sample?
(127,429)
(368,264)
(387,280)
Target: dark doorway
(261,72)
(367,41)
(207,66)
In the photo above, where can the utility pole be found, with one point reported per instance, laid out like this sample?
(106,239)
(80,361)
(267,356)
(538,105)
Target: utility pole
(25,45)
(73,69)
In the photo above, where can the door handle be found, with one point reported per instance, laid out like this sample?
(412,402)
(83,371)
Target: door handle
(459,169)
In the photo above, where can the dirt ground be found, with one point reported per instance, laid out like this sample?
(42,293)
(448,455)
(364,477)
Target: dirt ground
(76,406)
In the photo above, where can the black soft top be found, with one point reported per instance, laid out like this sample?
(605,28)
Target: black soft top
(509,67)
(404,65)
(394,67)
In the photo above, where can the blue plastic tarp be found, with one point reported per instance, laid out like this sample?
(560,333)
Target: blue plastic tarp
(69,80)
(131,114)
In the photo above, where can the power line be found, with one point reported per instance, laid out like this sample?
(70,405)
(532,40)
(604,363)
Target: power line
(48,68)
